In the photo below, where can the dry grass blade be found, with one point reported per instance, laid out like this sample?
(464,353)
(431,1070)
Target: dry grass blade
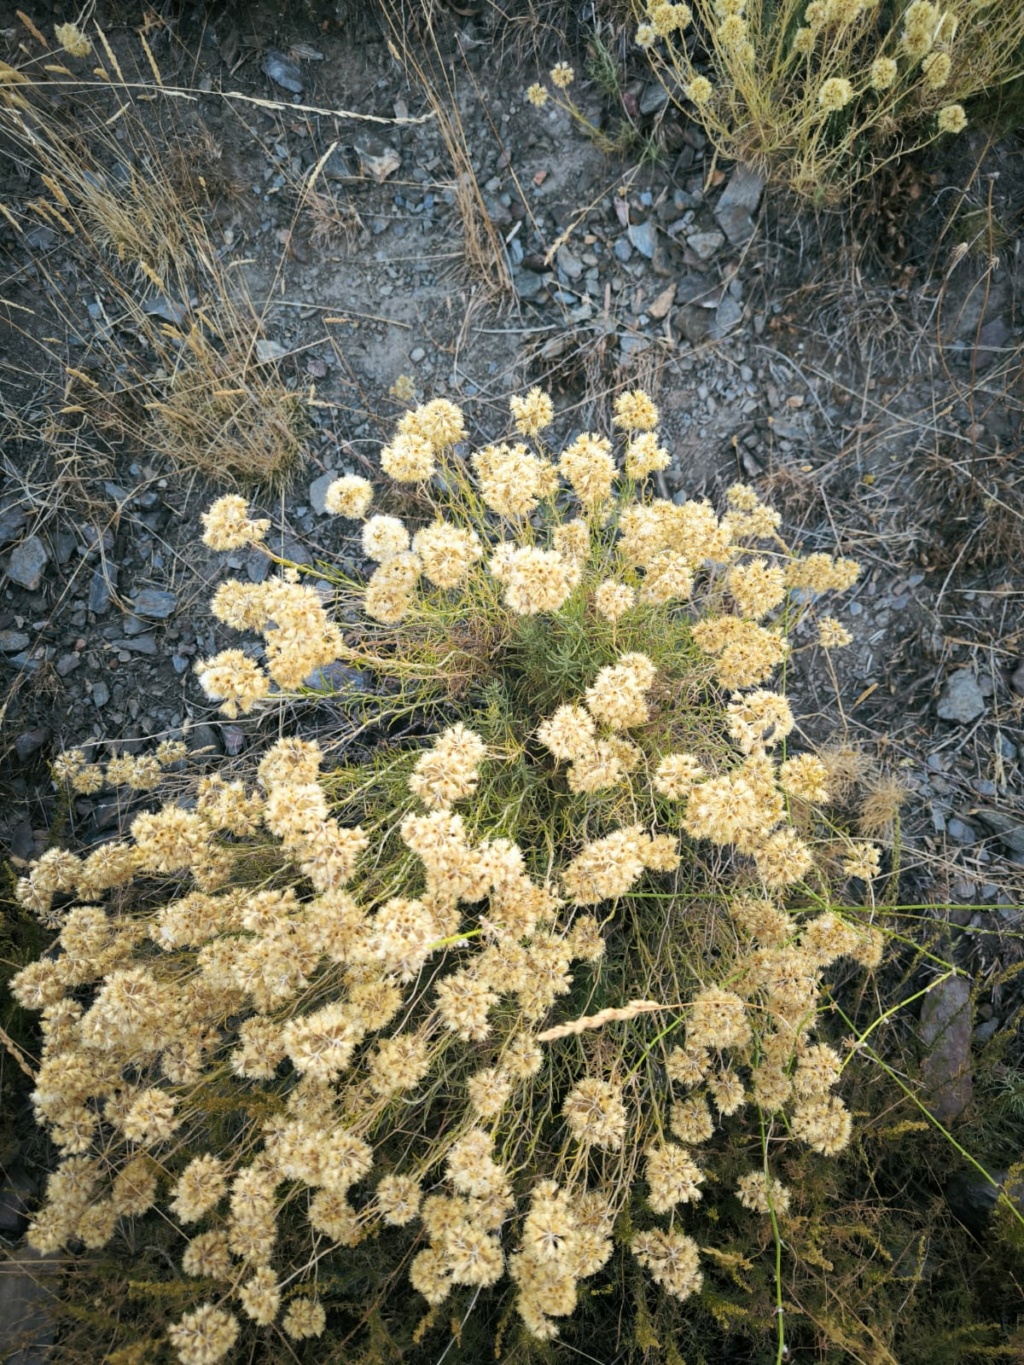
(592,1021)
(482,244)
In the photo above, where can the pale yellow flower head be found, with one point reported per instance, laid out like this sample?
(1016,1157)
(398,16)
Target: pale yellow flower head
(835,93)
(349,496)
(883,73)
(952,119)
(71,38)
(533,412)
(635,411)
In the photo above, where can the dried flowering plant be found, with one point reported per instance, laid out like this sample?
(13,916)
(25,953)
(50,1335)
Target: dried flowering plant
(512,993)
(821,93)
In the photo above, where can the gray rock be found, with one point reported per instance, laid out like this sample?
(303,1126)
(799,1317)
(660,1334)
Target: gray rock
(234,740)
(1007,829)
(317,492)
(727,316)
(13,641)
(972,1198)
(101,585)
(67,663)
(960,831)
(339,166)
(12,519)
(268,350)
(962,699)
(139,644)
(1017,679)
(696,290)
(738,204)
(705,244)
(30,742)
(282,71)
(203,737)
(945,1034)
(652,98)
(572,265)
(155,604)
(336,678)
(100,694)
(27,562)
(376,157)
(693,323)
(643,237)
(528,285)
(622,249)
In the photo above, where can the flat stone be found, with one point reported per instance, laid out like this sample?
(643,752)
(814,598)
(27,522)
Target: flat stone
(727,316)
(100,694)
(268,350)
(693,323)
(234,740)
(696,290)
(317,493)
(101,585)
(336,678)
(139,644)
(376,157)
(643,237)
(27,562)
(738,203)
(622,250)
(705,244)
(13,641)
(572,265)
(30,742)
(155,604)
(12,519)
(282,71)
(67,663)
(660,306)
(1007,829)
(945,1034)
(528,285)
(962,700)
(960,831)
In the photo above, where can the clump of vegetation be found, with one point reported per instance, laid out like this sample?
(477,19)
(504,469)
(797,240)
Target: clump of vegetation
(534,982)
(823,94)
(176,365)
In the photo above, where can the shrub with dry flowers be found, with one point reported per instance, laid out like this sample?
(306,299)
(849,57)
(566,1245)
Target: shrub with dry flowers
(507,983)
(822,92)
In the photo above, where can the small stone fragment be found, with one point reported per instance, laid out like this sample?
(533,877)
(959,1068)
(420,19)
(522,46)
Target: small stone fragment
(267,350)
(962,699)
(945,1034)
(155,604)
(705,244)
(642,237)
(738,204)
(376,158)
(318,491)
(13,641)
(282,71)
(30,742)
(27,562)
